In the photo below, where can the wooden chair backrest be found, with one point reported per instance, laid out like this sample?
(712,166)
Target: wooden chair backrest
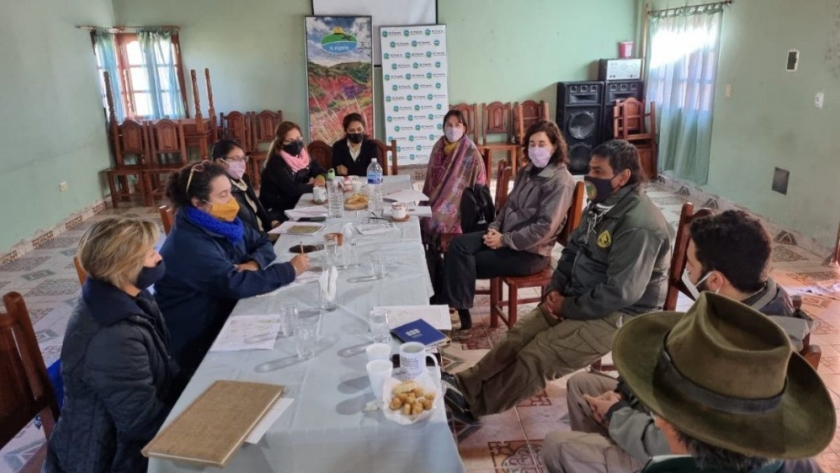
(25,389)
(811,353)
(631,123)
(167,137)
(574,214)
(131,140)
(237,126)
(320,152)
(678,254)
(502,185)
(264,125)
(470,112)
(167,217)
(388,169)
(80,272)
(495,119)
(526,114)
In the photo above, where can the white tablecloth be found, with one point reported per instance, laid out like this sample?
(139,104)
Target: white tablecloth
(327,428)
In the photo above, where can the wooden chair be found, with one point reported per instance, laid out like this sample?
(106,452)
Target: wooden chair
(200,132)
(383,154)
(320,152)
(495,119)
(470,111)
(25,389)
(167,217)
(631,123)
(80,272)
(237,126)
(263,126)
(678,255)
(541,279)
(526,114)
(811,353)
(169,153)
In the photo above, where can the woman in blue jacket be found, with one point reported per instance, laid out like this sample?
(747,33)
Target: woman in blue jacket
(212,261)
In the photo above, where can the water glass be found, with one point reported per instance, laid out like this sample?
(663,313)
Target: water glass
(328,302)
(379,329)
(306,332)
(377,267)
(288,315)
(330,249)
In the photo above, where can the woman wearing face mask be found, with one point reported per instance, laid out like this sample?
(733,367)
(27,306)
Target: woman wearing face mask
(212,261)
(352,154)
(519,241)
(289,171)
(454,165)
(118,376)
(230,155)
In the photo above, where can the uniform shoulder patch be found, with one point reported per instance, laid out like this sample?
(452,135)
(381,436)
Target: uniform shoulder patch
(604,239)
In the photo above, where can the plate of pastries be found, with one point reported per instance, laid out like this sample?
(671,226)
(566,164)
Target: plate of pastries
(357,201)
(407,402)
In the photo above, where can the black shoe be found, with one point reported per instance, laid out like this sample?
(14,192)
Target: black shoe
(455,401)
(466,319)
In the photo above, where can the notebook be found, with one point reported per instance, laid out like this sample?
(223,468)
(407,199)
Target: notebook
(216,424)
(419,331)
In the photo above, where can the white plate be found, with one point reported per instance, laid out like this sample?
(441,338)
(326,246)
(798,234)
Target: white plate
(426,383)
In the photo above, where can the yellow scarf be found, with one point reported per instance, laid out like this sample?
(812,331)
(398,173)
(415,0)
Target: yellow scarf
(448,148)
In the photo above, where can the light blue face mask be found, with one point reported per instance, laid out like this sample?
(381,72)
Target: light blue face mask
(694,288)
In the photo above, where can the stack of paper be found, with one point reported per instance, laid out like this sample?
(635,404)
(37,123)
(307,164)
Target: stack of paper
(407,195)
(248,332)
(307,212)
(375,228)
(436,315)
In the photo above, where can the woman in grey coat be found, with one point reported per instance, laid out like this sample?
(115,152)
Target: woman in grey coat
(519,241)
(118,376)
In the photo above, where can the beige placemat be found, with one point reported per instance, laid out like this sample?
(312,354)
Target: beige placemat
(216,424)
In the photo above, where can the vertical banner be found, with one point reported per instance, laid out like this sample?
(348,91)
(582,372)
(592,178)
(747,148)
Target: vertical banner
(339,69)
(414,79)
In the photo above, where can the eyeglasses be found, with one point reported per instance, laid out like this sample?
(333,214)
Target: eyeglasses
(199,167)
(243,158)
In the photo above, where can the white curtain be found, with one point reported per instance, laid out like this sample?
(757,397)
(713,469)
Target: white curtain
(106,54)
(164,88)
(684,45)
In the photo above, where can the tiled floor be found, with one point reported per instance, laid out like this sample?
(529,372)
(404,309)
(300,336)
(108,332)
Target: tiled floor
(508,442)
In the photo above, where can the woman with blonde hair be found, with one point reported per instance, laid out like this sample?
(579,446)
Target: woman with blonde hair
(118,375)
(289,171)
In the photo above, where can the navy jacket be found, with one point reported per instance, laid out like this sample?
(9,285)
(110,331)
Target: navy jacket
(201,284)
(118,382)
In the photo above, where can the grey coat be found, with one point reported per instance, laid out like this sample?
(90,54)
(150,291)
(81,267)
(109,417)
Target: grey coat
(617,259)
(118,382)
(536,209)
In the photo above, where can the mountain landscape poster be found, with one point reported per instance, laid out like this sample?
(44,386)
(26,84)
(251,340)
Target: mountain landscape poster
(339,67)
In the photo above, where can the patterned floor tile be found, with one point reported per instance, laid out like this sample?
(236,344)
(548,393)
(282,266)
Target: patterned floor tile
(24,264)
(514,455)
(37,314)
(44,336)
(783,254)
(59,243)
(15,458)
(812,277)
(71,252)
(668,200)
(56,287)
(38,275)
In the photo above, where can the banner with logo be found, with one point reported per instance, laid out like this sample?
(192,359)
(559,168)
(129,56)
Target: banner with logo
(339,69)
(414,79)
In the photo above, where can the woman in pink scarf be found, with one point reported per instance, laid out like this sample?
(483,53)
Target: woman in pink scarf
(289,172)
(455,164)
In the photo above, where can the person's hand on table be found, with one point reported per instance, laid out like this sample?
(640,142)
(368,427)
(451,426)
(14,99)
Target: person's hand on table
(275,223)
(318,181)
(249,266)
(601,405)
(300,263)
(493,239)
(341,169)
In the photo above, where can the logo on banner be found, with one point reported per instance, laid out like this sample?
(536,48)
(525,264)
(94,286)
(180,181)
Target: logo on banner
(429,97)
(397,129)
(437,85)
(339,42)
(396,109)
(438,107)
(388,97)
(427,32)
(431,137)
(412,156)
(410,137)
(386,56)
(387,77)
(393,44)
(439,126)
(437,42)
(411,118)
(408,55)
(419,147)
(408,76)
(406,33)
(384,34)
(431,116)
(415,65)
(437,64)
(389,119)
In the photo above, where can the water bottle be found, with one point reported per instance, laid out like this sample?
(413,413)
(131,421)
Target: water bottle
(336,199)
(374,178)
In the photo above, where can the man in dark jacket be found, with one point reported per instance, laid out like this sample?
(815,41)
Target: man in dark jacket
(615,267)
(728,254)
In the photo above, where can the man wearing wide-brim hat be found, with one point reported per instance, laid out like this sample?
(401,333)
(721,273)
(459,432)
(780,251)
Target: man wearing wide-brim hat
(726,388)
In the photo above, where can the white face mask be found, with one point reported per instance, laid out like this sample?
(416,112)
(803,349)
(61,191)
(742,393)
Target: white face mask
(539,156)
(692,288)
(452,133)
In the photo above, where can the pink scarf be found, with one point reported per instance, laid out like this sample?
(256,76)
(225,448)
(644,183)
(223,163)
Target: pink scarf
(296,162)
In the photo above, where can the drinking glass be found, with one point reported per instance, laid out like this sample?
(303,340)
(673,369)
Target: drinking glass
(306,332)
(379,326)
(288,315)
(328,303)
(377,267)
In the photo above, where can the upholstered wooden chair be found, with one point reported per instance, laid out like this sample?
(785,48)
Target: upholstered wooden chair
(167,217)
(632,123)
(263,126)
(80,272)
(386,151)
(470,112)
(526,114)
(237,126)
(169,153)
(321,152)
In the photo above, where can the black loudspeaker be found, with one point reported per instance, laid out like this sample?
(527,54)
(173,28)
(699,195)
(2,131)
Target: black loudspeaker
(618,90)
(579,114)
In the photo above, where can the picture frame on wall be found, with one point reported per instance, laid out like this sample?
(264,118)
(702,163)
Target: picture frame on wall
(339,71)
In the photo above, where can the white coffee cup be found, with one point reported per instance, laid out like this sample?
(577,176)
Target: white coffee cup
(357,185)
(319,193)
(378,351)
(398,210)
(378,372)
(413,359)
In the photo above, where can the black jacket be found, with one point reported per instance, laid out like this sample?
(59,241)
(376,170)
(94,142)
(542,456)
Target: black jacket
(118,382)
(341,157)
(281,188)
(246,212)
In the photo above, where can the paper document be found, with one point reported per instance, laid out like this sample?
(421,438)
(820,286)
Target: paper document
(303,278)
(295,228)
(407,195)
(307,212)
(375,228)
(248,332)
(435,315)
(420,211)
(269,419)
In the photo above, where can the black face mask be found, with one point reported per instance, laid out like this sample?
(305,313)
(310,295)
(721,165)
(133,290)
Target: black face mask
(355,138)
(598,189)
(294,148)
(149,276)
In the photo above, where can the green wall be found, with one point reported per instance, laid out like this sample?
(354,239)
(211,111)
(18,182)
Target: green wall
(498,49)
(770,120)
(52,125)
